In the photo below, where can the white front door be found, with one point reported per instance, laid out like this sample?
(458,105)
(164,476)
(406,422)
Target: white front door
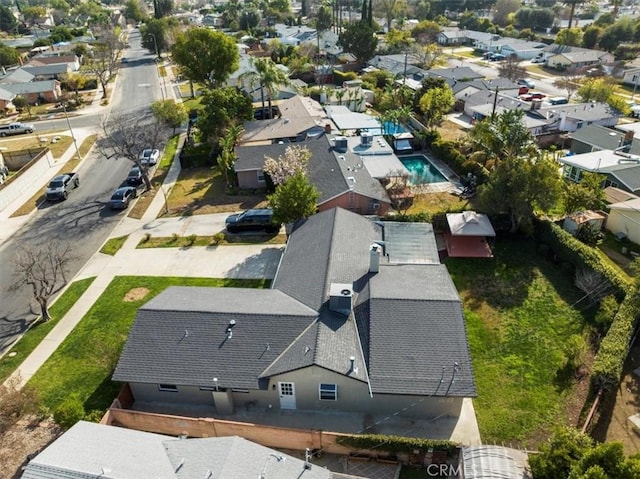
(287,395)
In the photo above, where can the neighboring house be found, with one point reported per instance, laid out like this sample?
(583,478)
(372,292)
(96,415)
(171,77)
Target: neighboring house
(36,91)
(596,137)
(563,57)
(57,71)
(6,99)
(576,221)
(523,49)
(90,450)
(341,177)
(292,35)
(300,118)
(16,76)
(632,77)
(451,36)
(42,60)
(467,235)
(621,170)
(462,90)
(354,97)
(624,217)
(574,116)
(464,74)
(361,317)
(400,66)
(616,195)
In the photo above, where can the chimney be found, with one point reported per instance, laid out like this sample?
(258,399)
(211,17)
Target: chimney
(375,250)
(327,128)
(353,369)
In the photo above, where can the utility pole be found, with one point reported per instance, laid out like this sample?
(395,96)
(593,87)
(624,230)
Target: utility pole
(73,137)
(495,102)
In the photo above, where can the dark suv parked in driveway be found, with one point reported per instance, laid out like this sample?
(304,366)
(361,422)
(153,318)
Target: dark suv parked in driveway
(252,220)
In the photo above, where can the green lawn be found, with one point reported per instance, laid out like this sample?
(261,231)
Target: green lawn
(82,365)
(113,245)
(38,331)
(226,239)
(519,316)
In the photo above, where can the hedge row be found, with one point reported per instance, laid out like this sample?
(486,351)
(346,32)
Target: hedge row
(396,444)
(448,152)
(610,358)
(575,252)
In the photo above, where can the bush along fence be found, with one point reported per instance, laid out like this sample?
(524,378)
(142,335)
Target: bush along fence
(612,353)
(397,444)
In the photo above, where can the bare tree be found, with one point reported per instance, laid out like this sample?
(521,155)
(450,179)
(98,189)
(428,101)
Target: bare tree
(44,271)
(570,81)
(127,135)
(593,284)
(104,62)
(397,185)
(510,68)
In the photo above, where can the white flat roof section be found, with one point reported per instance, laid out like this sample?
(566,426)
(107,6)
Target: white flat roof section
(382,166)
(346,119)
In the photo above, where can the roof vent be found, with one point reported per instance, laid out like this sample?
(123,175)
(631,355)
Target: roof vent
(341,298)
(341,144)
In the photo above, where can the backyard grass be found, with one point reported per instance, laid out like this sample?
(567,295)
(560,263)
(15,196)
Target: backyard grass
(519,315)
(70,165)
(141,205)
(33,142)
(113,245)
(201,190)
(39,330)
(82,365)
(229,239)
(438,202)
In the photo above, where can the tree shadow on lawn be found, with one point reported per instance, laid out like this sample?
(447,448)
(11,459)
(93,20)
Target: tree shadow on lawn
(103,395)
(503,281)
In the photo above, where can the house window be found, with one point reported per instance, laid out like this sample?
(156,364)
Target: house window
(260,176)
(611,183)
(328,392)
(578,125)
(243,391)
(207,388)
(168,387)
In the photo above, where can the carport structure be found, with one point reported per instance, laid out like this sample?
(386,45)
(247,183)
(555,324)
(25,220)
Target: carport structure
(467,235)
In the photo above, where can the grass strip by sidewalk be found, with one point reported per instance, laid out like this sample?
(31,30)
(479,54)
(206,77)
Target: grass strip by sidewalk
(141,206)
(193,240)
(82,365)
(38,331)
(113,245)
(70,165)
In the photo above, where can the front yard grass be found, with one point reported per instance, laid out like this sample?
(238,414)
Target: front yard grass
(519,315)
(39,330)
(227,239)
(82,365)
(201,190)
(113,245)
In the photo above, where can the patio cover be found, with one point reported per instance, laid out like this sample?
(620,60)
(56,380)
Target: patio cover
(346,119)
(483,462)
(467,246)
(469,223)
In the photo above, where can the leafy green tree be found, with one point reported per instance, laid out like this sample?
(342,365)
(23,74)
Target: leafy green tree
(162,8)
(295,199)
(601,90)
(31,14)
(426,32)
(221,109)
(503,9)
(206,56)
(323,19)
(570,36)
(268,77)
(518,186)
(249,19)
(558,455)
(74,81)
(170,113)
(156,33)
(586,195)
(227,156)
(8,22)
(619,32)
(135,10)
(390,10)
(359,39)
(435,104)
(9,56)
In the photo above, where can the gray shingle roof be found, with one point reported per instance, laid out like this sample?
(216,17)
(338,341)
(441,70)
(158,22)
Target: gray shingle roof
(189,326)
(456,73)
(408,318)
(628,176)
(31,87)
(603,138)
(417,333)
(410,243)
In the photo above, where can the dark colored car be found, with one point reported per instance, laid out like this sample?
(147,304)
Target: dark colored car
(122,197)
(252,220)
(135,176)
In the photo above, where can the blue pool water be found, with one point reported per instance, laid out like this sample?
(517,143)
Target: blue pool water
(422,171)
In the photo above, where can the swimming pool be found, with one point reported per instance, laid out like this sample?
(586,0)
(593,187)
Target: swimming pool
(422,170)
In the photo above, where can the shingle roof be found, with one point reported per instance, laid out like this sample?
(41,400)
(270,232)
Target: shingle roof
(456,73)
(31,87)
(189,326)
(55,69)
(408,326)
(603,138)
(628,176)
(417,333)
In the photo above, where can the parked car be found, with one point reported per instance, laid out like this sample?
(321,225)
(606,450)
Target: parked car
(539,59)
(533,96)
(121,198)
(149,157)
(497,57)
(252,220)
(526,82)
(60,186)
(523,90)
(16,129)
(135,176)
(558,100)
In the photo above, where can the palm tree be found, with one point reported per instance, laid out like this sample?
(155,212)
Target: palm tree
(572,4)
(269,77)
(340,95)
(227,156)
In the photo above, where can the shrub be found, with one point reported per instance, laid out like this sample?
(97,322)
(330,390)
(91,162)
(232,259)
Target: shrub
(340,77)
(146,237)
(94,416)
(191,239)
(69,412)
(396,444)
(217,238)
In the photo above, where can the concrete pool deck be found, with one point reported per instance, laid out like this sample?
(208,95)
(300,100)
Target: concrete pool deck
(452,185)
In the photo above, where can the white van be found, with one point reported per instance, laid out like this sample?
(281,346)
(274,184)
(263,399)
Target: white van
(15,129)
